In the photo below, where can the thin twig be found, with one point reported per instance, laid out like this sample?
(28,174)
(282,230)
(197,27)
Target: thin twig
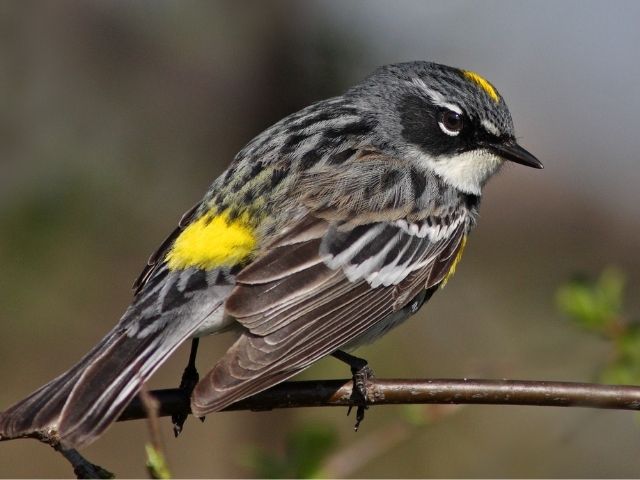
(151,406)
(156,457)
(82,467)
(337,393)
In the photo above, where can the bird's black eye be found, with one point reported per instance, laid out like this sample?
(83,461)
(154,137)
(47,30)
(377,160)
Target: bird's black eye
(451,122)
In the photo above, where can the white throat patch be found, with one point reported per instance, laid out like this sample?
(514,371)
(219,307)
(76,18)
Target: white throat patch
(467,171)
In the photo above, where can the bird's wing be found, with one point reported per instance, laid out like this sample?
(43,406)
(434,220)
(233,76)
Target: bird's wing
(156,258)
(319,286)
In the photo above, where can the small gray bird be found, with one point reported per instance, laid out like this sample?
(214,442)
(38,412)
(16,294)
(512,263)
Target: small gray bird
(327,230)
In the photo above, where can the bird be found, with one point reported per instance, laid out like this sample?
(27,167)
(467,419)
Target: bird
(327,230)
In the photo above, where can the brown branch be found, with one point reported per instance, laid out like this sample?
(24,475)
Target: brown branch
(82,467)
(337,393)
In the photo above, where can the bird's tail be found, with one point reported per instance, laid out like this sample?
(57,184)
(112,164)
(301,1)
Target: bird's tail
(81,403)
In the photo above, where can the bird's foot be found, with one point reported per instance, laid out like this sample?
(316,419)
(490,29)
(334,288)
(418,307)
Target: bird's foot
(190,378)
(360,378)
(361,373)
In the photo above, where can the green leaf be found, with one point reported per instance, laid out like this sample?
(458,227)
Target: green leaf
(625,369)
(594,305)
(156,463)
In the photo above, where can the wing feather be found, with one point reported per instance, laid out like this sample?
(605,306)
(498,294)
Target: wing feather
(299,302)
(155,260)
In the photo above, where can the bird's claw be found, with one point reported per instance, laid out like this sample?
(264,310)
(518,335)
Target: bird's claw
(361,373)
(190,378)
(361,376)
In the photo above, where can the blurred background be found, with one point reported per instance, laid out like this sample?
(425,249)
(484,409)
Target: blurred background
(115,117)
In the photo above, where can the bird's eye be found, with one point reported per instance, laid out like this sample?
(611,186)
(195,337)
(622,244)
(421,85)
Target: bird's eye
(451,122)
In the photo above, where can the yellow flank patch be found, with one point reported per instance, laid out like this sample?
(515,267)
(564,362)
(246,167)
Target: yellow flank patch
(482,83)
(214,240)
(456,260)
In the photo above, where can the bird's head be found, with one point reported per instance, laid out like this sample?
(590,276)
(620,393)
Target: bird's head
(450,121)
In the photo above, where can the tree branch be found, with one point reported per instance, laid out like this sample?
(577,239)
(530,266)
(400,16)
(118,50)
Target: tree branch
(82,467)
(337,393)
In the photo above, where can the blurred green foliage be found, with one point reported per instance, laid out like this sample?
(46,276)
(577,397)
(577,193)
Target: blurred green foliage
(305,451)
(156,463)
(625,369)
(598,306)
(593,304)
(311,451)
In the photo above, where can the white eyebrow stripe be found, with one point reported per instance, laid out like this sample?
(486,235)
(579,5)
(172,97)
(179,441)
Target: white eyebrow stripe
(436,97)
(491,128)
(451,107)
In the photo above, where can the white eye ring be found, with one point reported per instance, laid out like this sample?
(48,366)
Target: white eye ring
(451,122)
(451,133)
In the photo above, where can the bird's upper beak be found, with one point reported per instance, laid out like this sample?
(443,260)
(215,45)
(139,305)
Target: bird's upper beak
(513,152)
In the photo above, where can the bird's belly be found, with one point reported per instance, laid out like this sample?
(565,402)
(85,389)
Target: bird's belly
(216,322)
(377,330)
(391,321)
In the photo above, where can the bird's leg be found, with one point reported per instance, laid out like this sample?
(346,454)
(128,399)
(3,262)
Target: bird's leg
(361,373)
(189,380)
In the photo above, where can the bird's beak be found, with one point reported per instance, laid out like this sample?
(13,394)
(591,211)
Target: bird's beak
(513,152)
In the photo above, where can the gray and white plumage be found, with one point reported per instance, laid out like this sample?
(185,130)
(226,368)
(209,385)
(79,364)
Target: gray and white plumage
(347,216)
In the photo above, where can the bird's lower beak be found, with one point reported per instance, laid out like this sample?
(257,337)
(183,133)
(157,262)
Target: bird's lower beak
(515,153)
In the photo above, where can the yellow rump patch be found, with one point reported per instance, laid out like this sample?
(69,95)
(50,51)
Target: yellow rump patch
(212,241)
(456,260)
(482,83)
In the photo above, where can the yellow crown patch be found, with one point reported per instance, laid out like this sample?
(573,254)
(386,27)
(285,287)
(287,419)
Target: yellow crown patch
(482,83)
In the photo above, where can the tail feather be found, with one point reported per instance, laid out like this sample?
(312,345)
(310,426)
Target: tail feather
(39,411)
(81,403)
(108,384)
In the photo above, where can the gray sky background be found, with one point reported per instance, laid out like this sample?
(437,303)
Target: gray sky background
(568,70)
